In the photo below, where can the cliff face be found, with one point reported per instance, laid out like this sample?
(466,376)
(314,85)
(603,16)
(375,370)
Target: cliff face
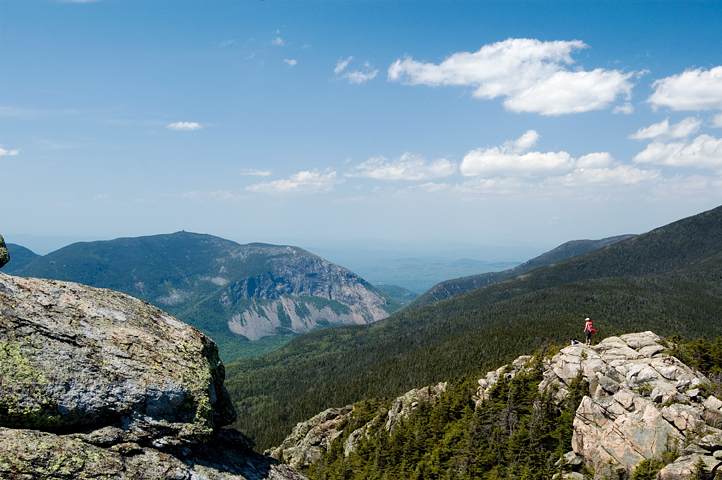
(219,286)
(97,384)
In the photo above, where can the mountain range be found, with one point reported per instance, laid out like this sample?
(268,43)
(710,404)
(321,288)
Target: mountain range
(456,286)
(668,280)
(237,294)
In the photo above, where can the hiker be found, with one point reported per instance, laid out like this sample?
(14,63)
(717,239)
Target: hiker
(588,330)
(574,341)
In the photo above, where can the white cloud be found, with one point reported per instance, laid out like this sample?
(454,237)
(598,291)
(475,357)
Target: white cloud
(704,151)
(717,121)
(359,77)
(691,90)
(619,175)
(406,167)
(259,173)
(186,126)
(497,185)
(4,152)
(291,62)
(625,109)
(226,43)
(595,160)
(301,182)
(356,77)
(683,129)
(530,74)
(341,65)
(278,41)
(510,159)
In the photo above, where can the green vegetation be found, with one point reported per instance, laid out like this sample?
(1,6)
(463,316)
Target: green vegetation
(516,433)
(400,294)
(201,279)
(456,286)
(667,281)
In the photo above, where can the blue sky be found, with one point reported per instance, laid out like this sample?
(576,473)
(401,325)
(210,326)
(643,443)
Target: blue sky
(398,122)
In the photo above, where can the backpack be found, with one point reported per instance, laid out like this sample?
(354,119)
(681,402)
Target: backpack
(592,330)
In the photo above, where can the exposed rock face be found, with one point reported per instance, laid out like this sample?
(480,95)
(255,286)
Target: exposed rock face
(641,402)
(94,383)
(4,255)
(254,290)
(310,439)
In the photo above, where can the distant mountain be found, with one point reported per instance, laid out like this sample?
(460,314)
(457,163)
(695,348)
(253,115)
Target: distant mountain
(232,292)
(19,257)
(456,286)
(668,280)
(400,294)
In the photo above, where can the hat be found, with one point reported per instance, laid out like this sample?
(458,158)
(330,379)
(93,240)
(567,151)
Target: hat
(587,319)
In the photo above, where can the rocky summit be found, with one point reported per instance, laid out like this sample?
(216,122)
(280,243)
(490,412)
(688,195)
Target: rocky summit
(98,384)
(641,403)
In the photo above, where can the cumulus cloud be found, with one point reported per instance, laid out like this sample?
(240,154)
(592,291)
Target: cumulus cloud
(704,151)
(509,159)
(4,152)
(531,75)
(301,182)
(186,126)
(406,167)
(691,90)
(259,173)
(683,129)
(625,109)
(356,77)
(278,41)
(291,62)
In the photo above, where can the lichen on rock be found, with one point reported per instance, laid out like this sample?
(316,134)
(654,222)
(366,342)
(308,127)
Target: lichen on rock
(95,383)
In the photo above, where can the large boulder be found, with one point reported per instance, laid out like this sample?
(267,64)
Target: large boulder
(95,383)
(4,255)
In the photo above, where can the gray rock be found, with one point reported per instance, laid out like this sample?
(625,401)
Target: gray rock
(132,390)
(4,255)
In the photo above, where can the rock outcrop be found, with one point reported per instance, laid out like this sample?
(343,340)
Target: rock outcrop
(97,384)
(309,440)
(4,255)
(642,403)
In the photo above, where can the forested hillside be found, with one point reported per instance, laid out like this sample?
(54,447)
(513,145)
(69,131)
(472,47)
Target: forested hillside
(456,286)
(668,280)
(248,298)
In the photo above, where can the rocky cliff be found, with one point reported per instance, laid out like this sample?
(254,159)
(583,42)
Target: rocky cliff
(642,403)
(97,384)
(225,289)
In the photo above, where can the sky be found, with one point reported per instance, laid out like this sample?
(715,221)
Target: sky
(397,124)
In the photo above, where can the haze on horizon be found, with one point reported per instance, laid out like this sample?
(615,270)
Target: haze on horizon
(391,124)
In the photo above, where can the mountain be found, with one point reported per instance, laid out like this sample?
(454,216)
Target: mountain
(668,280)
(234,293)
(456,286)
(19,256)
(627,407)
(400,294)
(97,384)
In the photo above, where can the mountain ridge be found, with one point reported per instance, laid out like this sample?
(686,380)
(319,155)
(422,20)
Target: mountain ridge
(456,286)
(667,280)
(230,291)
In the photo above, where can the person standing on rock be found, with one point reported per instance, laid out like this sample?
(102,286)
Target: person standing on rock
(588,330)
